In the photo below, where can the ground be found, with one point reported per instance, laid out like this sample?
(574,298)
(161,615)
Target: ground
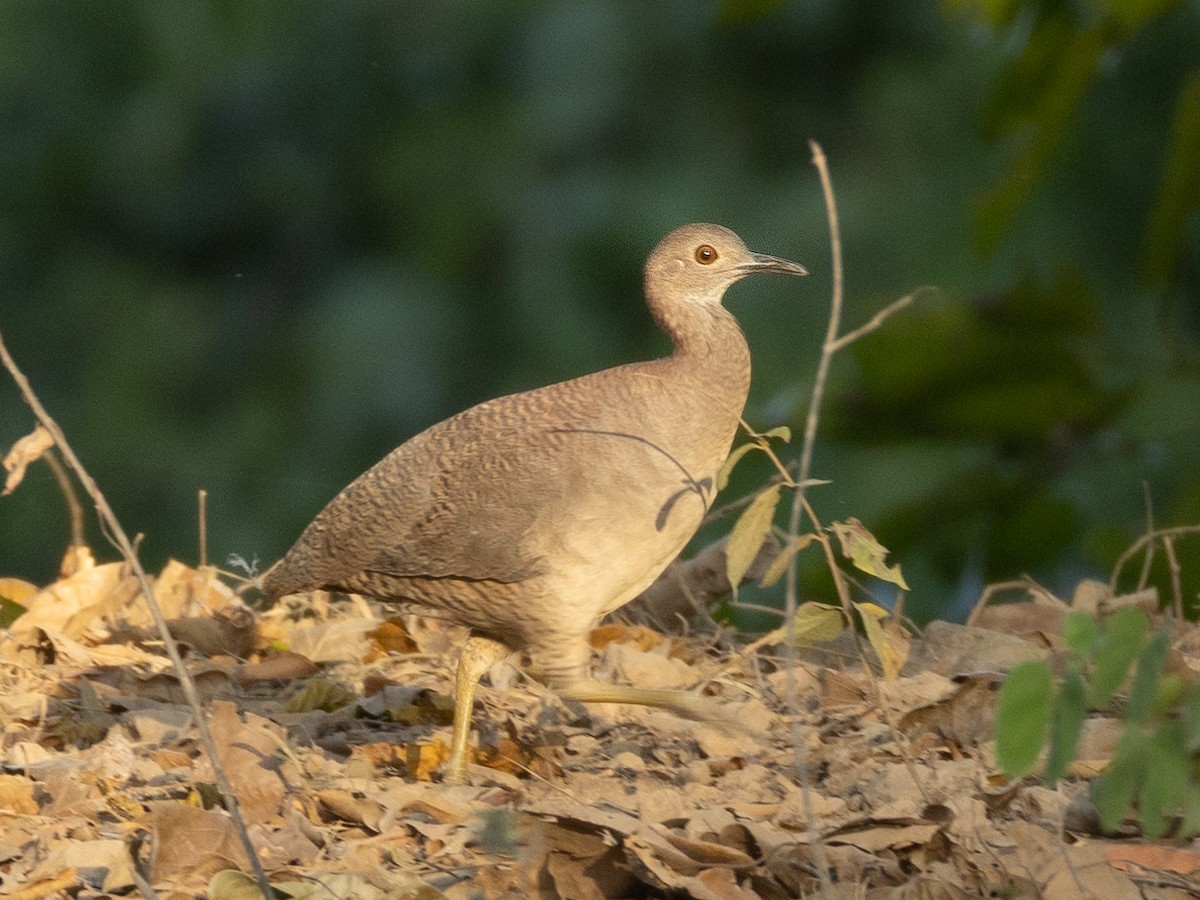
(332,724)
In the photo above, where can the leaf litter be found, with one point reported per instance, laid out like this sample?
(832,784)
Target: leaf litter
(332,726)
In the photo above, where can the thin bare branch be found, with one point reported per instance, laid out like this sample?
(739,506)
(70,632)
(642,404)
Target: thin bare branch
(1148,560)
(1147,538)
(880,317)
(74,507)
(1176,576)
(202,524)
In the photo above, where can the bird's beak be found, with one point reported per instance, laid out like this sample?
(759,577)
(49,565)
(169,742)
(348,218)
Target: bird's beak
(764,263)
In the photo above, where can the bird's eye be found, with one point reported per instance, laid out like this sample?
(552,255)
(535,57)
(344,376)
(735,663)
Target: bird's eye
(706,254)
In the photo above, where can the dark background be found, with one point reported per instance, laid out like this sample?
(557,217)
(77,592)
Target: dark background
(252,247)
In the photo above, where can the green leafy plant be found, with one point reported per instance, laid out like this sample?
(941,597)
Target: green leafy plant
(1155,761)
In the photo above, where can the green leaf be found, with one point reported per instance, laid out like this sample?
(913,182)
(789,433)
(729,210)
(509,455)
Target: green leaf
(1166,779)
(1119,645)
(1070,707)
(1079,633)
(1168,695)
(816,622)
(1023,717)
(1113,791)
(1145,682)
(1191,719)
(748,534)
(1191,811)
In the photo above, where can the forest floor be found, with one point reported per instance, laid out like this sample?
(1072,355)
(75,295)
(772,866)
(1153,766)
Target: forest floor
(332,725)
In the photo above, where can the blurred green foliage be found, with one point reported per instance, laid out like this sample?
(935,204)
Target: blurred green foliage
(1154,761)
(251,247)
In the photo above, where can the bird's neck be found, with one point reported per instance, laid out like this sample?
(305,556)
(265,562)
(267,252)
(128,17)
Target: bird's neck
(708,342)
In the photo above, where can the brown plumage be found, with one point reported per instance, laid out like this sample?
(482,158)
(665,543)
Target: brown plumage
(528,517)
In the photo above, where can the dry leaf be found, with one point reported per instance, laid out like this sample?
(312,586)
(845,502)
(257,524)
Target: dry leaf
(635,635)
(228,633)
(348,807)
(16,795)
(184,592)
(634,666)
(77,558)
(16,590)
(27,450)
(188,842)
(346,639)
(250,753)
(277,667)
(424,760)
(69,606)
(393,637)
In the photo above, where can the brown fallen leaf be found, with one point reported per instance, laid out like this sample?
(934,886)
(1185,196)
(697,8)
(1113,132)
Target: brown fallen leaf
(346,807)
(228,632)
(276,667)
(391,637)
(16,795)
(72,604)
(250,752)
(17,590)
(77,558)
(1137,858)
(638,636)
(191,843)
(46,887)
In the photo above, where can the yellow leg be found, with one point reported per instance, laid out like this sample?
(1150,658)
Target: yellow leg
(691,706)
(478,655)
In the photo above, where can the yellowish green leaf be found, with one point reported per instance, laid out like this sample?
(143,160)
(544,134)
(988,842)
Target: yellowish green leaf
(874,610)
(319,693)
(779,431)
(867,554)
(732,460)
(779,565)
(817,622)
(891,651)
(230,884)
(748,534)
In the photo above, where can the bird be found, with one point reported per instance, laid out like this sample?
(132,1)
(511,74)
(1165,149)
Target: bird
(529,517)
